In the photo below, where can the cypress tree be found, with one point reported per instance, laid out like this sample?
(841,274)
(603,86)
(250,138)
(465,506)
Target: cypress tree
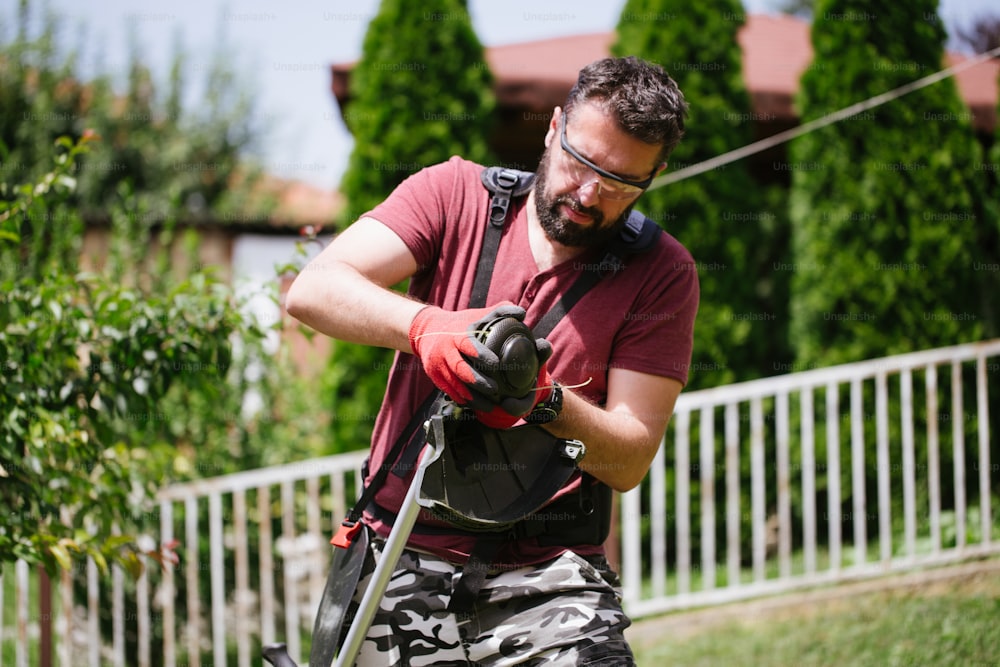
(721,216)
(885,206)
(421,92)
(989,268)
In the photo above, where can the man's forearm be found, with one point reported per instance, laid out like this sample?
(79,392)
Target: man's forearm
(344,292)
(336,300)
(620,447)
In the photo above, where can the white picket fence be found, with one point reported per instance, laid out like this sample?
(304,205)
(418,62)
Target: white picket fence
(760,487)
(757,420)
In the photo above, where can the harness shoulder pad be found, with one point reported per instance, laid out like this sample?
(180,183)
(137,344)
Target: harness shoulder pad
(639,233)
(518,182)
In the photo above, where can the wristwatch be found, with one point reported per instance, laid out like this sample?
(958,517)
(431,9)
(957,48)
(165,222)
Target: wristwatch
(547,410)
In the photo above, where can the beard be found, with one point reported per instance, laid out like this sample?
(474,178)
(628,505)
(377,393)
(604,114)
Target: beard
(564,231)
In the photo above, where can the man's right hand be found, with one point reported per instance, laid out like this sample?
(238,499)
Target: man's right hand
(452,355)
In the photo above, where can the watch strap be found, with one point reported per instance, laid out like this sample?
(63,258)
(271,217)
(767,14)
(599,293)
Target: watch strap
(546,411)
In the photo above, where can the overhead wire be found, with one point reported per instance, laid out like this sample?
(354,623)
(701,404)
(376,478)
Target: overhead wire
(818,123)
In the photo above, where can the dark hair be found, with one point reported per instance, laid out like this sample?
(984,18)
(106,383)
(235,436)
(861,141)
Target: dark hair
(645,101)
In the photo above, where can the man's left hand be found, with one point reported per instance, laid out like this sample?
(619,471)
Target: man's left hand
(509,410)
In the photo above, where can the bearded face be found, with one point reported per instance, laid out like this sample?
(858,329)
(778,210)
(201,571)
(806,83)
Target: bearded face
(558,227)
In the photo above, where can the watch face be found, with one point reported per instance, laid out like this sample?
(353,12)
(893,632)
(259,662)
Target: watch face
(547,411)
(543,414)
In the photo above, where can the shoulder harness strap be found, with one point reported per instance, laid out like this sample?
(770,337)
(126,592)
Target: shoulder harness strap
(638,235)
(504,184)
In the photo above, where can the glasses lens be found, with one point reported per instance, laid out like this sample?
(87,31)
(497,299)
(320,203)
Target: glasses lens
(582,175)
(614,190)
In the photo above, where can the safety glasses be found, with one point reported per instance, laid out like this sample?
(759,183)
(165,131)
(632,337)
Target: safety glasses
(584,172)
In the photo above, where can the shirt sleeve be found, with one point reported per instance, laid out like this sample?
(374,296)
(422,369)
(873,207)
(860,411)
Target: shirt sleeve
(659,337)
(417,210)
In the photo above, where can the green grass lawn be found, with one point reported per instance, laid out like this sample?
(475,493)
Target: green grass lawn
(950,622)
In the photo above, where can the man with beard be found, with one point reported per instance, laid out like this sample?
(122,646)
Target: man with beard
(619,359)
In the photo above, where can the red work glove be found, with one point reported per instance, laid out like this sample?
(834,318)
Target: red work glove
(452,356)
(508,411)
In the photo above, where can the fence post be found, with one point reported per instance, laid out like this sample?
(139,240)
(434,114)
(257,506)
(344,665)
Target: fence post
(983,427)
(44,618)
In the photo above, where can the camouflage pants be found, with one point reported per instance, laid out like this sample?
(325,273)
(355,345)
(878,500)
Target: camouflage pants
(565,612)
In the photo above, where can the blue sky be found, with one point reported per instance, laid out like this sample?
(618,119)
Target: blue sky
(283,51)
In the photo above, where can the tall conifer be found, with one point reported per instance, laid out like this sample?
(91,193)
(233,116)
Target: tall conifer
(721,216)
(421,93)
(886,207)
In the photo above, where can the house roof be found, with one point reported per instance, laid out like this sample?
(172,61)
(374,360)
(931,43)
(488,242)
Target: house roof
(536,76)
(275,205)
(300,204)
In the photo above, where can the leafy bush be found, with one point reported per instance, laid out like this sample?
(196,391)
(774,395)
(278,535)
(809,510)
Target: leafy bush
(87,362)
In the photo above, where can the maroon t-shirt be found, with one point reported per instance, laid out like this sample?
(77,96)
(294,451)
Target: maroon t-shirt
(639,318)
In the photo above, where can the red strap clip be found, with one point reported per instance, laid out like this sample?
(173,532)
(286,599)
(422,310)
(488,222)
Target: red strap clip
(346,533)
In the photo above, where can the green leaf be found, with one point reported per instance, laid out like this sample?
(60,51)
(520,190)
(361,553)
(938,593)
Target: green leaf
(99,560)
(60,552)
(114,542)
(130,561)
